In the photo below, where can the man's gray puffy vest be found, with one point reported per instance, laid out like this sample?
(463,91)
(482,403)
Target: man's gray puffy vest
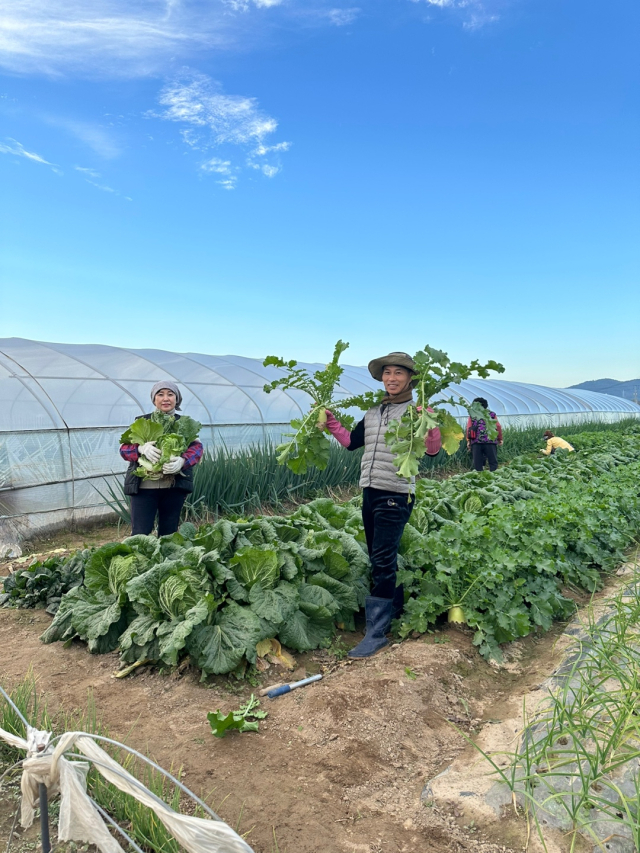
(378,470)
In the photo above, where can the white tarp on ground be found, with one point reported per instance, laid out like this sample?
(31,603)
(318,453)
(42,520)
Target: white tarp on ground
(79,819)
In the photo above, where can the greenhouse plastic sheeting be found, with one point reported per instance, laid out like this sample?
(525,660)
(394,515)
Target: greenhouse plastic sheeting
(64,406)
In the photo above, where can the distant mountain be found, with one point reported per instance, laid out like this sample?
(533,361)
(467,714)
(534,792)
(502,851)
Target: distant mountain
(630,389)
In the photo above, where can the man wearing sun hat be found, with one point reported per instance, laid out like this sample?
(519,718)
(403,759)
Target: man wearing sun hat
(386,498)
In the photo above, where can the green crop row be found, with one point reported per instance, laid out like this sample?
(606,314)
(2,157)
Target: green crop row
(504,546)
(251,480)
(215,592)
(519,440)
(544,527)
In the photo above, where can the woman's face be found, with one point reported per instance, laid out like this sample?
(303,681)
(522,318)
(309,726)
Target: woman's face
(165,400)
(395,379)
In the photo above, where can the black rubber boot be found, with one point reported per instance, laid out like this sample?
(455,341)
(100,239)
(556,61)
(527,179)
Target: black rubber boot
(398,603)
(378,612)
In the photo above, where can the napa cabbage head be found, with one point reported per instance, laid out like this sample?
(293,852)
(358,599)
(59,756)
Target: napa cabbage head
(170,445)
(96,573)
(181,591)
(121,570)
(256,565)
(184,426)
(171,435)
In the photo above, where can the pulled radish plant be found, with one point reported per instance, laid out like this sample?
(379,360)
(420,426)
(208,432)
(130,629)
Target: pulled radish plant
(435,372)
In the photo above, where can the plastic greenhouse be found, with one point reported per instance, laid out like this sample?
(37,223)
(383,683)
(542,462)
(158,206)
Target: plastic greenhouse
(64,406)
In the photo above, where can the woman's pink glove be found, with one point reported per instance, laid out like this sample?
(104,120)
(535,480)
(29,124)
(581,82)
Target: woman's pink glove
(340,433)
(433,439)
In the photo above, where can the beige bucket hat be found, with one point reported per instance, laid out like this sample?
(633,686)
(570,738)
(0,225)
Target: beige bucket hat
(397,359)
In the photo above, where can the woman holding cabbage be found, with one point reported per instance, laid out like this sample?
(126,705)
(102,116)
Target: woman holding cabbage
(386,498)
(159,477)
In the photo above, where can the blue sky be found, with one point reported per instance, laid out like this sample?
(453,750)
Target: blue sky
(266,177)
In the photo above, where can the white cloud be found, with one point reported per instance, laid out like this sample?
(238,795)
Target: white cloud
(197,100)
(245,5)
(91,134)
(268,169)
(217,120)
(125,38)
(102,187)
(479,19)
(474,12)
(221,167)
(106,37)
(91,172)
(261,150)
(342,17)
(171,7)
(92,176)
(18,150)
(228,173)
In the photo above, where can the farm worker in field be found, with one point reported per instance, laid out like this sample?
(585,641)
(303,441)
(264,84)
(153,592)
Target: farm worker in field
(554,442)
(481,446)
(165,496)
(386,504)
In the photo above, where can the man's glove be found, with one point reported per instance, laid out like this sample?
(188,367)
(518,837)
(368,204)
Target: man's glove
(174,465)
(150,451)
(340,433)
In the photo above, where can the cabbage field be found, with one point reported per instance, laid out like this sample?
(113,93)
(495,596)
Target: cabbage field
(506,547)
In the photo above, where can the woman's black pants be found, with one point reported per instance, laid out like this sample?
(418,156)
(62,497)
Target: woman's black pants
(385,515)
(481,451)
(165,503)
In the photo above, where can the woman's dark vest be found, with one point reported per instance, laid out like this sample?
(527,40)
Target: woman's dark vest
(183,480)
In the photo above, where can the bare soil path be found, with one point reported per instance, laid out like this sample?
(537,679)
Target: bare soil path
(337,767)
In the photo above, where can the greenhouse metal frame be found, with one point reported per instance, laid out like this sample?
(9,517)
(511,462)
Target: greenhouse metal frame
(64,406)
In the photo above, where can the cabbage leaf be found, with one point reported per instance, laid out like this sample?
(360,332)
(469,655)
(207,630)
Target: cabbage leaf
(275,605)
(141,431)
(218,648)
(96,573)
(303,633)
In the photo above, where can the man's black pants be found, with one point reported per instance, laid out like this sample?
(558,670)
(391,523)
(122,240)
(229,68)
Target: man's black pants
(385,515)
(165,503)
(482,451)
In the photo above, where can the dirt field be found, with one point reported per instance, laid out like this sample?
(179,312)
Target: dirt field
(337,767)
